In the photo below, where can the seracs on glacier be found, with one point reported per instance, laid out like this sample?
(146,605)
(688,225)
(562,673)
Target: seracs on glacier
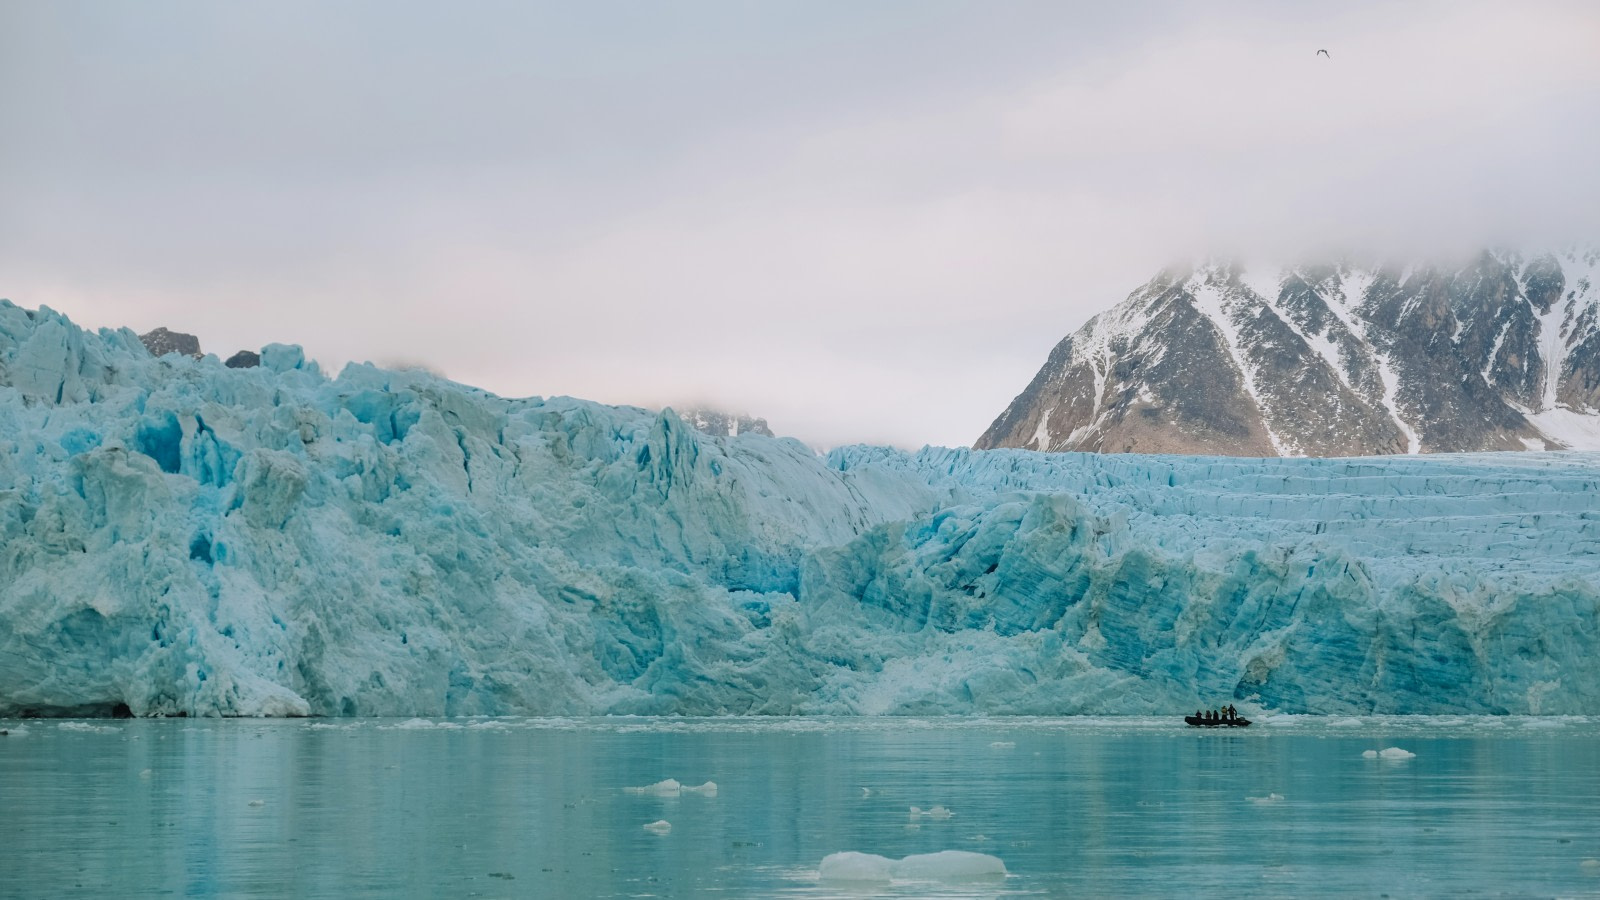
(181,537)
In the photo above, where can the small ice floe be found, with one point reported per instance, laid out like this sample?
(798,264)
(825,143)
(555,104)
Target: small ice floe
(1002,745)
(146,773)
(15,731)
(1388,753)
(86,728)
(866,792)
(668,788)
(1347,722)
(937,812)
(946,865)
(1590,865)
(659,826)
(671,787)
(258,803)
(1270,798)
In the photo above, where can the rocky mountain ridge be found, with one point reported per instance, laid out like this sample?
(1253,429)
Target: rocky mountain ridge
(1339,359)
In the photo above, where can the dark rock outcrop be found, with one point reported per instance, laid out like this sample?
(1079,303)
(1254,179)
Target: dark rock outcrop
(244,359)
(162,341)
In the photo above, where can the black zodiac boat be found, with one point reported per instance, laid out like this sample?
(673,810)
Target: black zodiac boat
(1235,722)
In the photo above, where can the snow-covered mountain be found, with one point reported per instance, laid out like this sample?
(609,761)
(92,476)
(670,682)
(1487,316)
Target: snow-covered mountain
(1502,353)
(178,536)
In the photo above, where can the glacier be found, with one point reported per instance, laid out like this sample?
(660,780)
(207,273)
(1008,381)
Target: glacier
(182,538)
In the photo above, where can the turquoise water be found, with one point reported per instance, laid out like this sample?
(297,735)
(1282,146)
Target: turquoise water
(540,808)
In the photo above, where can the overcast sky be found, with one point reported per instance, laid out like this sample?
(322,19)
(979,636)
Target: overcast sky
(863,221)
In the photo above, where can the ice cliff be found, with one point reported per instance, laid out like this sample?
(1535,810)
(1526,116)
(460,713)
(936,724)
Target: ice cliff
(178,536)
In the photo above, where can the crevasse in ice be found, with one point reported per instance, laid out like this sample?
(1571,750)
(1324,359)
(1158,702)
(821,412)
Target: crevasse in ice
(181,537)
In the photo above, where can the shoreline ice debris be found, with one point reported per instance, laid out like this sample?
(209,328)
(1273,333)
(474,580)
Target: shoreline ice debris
(946,865)
(1388,753)
(182,537)
(87,728)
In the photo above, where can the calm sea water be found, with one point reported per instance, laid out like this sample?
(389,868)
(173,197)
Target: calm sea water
(540,807)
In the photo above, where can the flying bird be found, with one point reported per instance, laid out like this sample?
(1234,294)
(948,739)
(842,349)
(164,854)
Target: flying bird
(1323,53)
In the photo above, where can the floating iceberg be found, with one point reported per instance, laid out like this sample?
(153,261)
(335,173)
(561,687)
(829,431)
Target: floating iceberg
(1388,753)
(660,826)
(182,537)
(671,787)
(946,865)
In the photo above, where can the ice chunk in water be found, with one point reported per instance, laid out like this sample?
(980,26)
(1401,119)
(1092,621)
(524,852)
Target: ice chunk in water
(853,866)
(1270,798)
(668,788)
(937,812)
(660,826)
(86,727)
(949,865)
(946,865)
(1003,745)
(709,789)
(1388,753)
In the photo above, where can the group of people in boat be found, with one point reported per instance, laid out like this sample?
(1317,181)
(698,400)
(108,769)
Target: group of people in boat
(1225,714)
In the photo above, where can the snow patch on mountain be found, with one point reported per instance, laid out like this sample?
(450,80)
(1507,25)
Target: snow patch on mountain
(1209,300)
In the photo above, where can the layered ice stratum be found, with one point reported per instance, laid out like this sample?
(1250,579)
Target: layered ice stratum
(181,537)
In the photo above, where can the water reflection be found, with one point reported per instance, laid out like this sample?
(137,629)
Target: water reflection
(538,807)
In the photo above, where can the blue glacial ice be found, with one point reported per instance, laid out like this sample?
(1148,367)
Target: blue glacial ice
(181,537)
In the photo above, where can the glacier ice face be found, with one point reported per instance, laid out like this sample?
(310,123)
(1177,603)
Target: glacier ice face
(180,537)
